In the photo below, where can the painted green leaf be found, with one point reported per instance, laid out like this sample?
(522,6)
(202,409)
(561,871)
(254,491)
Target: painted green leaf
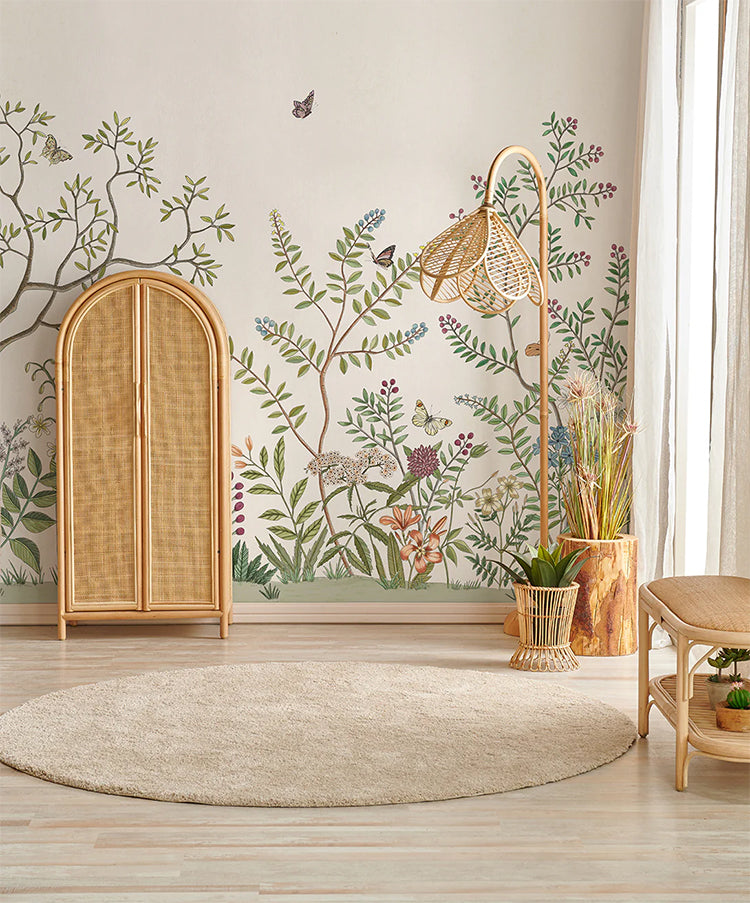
(19,486)
(297,492)
(44,499)
(282,532)
(379,565)
(36,521)
(278,458)
(261,489)
(311,530)
(307,512)
(10,500)
(27,551)
(395,564)
(34,463)
(273,514)
(377,532)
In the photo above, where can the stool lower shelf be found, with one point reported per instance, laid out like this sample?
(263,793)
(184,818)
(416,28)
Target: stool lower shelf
(703,734)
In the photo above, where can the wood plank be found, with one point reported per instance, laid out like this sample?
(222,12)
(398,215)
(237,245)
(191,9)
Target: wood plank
(624,824)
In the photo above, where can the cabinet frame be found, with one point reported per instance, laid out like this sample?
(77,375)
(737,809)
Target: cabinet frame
(221,584)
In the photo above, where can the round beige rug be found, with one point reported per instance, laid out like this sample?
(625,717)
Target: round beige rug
(312,734)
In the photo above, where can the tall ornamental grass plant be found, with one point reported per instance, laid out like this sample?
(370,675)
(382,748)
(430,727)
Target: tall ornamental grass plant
(597,491)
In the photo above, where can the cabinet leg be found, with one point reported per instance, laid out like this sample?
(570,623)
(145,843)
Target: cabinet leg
(61,628)
(681,715)
(644,647)
(224,625)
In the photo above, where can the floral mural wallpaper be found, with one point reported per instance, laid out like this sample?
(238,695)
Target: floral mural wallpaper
(384,448)
(400,504)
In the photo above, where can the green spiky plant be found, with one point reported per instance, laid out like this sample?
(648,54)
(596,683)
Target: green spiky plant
(547,568)
(738,697)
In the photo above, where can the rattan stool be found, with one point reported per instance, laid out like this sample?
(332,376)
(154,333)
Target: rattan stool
(707,611)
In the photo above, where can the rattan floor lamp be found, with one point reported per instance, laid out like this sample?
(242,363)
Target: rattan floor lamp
(481,261)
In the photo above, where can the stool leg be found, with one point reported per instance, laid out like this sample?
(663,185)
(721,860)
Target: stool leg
(681,715)
(644,647)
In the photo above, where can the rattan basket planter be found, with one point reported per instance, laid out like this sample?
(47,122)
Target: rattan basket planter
(545,614)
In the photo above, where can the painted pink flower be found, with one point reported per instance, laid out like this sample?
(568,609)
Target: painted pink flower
(425,551)
(423,461)
(402,519)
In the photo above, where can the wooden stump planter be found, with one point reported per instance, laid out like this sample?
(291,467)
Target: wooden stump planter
(732,719)
(544,617)
(605,621)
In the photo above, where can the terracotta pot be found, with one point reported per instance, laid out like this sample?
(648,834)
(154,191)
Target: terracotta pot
(605,621)
(732,719)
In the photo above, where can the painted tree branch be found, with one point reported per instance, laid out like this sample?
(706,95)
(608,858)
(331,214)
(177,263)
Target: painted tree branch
(96,227)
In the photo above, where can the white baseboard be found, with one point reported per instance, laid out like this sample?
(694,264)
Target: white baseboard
(35,613)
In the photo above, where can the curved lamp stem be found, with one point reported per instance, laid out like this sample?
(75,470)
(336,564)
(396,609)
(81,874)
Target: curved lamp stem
(543,326)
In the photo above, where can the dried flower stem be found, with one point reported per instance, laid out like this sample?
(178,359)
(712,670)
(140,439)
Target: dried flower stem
(597,493)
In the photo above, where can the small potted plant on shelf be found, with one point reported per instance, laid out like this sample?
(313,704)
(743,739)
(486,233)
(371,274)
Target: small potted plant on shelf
(734,713)
(718,686)
(545,598)
(597,494)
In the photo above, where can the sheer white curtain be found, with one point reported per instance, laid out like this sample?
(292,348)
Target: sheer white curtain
(654,319)
(690,332)
(729,487)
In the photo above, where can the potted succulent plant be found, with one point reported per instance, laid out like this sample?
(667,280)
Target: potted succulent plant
(734,713)
(717,685)
(597,495)
(545,598)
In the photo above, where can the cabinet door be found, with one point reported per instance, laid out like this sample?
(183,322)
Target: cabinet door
(101,450)
(179,447)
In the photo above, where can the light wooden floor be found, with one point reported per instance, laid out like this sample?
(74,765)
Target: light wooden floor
(618,833)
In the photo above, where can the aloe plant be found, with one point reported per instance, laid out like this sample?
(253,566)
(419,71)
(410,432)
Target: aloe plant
(726,658)
(547,568)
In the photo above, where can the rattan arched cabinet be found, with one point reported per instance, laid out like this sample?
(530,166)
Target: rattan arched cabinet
(144,524)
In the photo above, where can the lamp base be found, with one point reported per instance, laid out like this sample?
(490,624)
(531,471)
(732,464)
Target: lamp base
(510,625)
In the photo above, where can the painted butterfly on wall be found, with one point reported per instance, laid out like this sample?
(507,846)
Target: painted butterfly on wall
(429,422)
(385,258)
(303,108)
(54,153)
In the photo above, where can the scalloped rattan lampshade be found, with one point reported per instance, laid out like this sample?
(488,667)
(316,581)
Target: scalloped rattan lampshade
(480,260)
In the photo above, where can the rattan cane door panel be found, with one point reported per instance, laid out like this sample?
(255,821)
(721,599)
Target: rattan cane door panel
(180,525)
(101,450)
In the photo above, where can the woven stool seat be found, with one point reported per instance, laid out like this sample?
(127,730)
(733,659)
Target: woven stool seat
(712,603)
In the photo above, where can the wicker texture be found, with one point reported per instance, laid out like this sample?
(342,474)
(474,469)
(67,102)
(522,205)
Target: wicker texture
(181,466)
(713,603)
(102,454)
(480,260)
(544,618)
